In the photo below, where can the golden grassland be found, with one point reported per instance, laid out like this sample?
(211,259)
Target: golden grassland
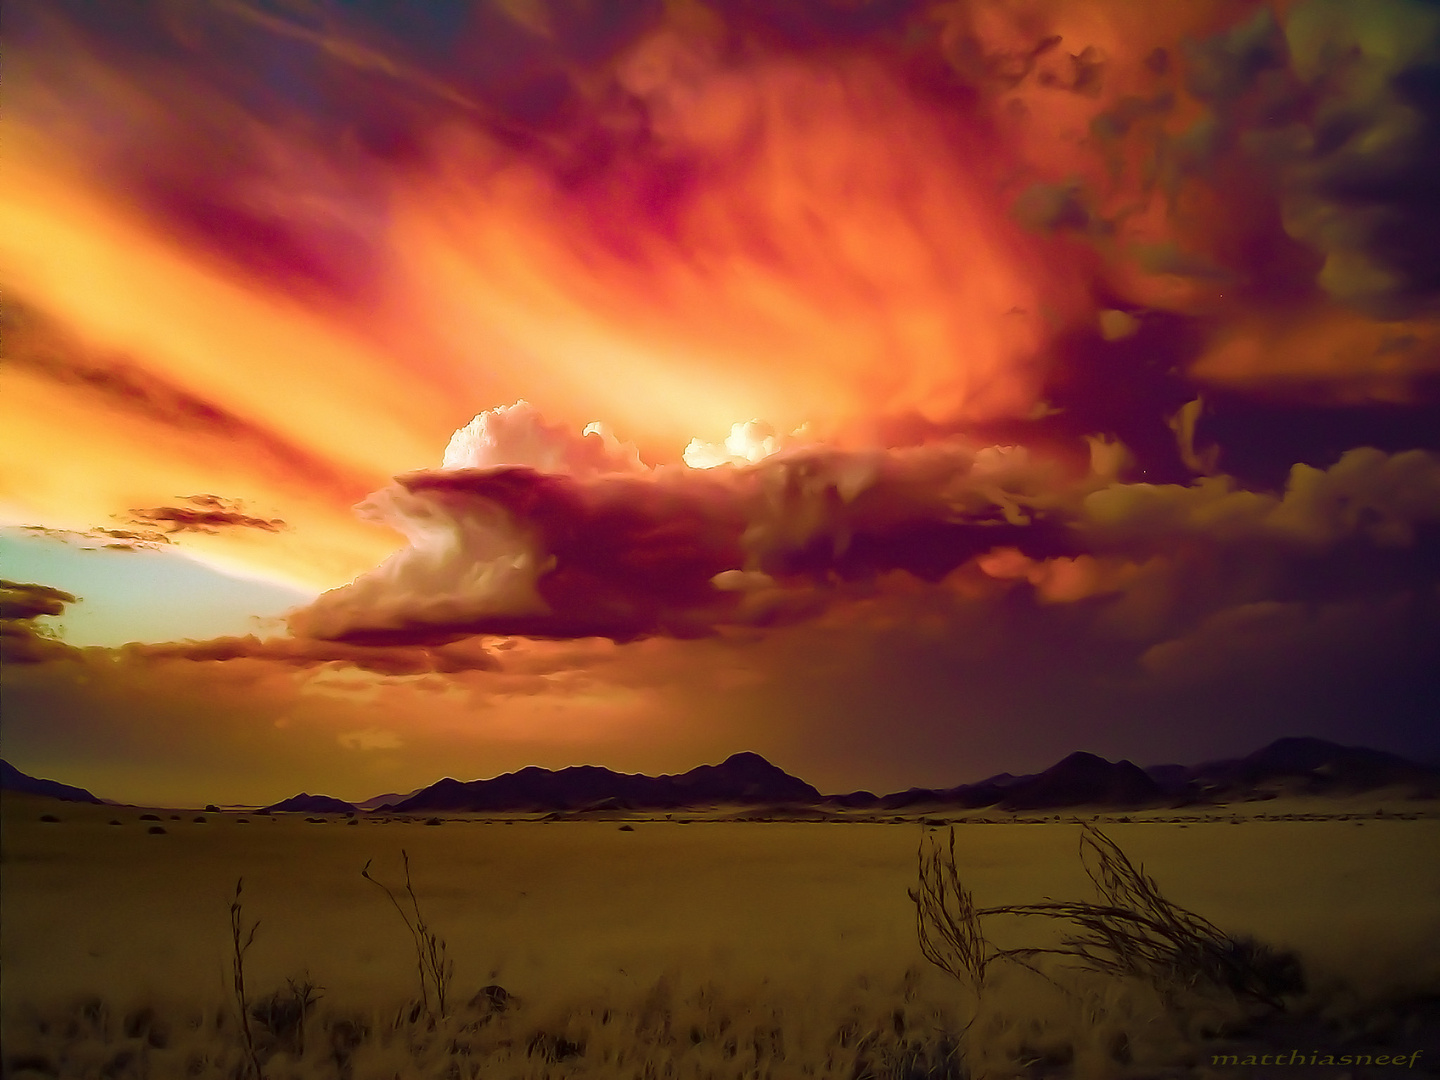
(698,946)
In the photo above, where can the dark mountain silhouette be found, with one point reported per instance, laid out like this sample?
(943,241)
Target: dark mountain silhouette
(744,779)
(312,804)
(1082,779)
(855,800)
(12,779)
(1312,766)
(1079,780)
(1174,780)
(1293,766)
(1305,766)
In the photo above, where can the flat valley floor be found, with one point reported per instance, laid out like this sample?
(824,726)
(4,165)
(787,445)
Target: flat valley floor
(698,946)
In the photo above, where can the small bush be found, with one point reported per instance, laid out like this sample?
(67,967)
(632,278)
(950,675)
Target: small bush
(50,818)
(283,1013)
(492,998)
(156,830)
(149,817)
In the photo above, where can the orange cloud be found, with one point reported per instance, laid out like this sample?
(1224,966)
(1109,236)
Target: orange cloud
(1324,354)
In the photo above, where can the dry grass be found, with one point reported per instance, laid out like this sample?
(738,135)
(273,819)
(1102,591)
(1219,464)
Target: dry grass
(787,950)
(1132,931)
(670,1029)
(435,968)
(242,938)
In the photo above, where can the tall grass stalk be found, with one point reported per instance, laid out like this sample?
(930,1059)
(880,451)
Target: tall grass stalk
(434,968)
(946,919)
(241,939)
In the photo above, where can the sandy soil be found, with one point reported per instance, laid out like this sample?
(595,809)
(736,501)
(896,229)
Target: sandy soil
(692,946)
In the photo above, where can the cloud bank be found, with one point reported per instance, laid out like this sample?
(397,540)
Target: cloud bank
(511,549)
(1096,345)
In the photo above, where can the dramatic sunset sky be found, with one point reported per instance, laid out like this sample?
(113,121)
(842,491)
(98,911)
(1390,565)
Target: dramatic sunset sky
(906,391)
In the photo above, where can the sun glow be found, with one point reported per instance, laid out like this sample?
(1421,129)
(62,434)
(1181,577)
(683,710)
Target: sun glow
(748,442)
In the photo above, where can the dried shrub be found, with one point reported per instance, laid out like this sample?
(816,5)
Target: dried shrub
(1132,931)
(283,1013)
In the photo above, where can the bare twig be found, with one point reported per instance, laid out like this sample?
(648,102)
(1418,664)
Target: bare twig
(238,932)
(434,968)
(304,996)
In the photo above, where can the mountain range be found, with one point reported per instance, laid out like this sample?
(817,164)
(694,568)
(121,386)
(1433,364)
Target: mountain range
(1292,766)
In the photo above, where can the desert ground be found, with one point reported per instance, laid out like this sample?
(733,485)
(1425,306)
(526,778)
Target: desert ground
(690,946)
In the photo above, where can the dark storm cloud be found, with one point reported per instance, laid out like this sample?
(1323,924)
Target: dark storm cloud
(22,639)
(1334,107)
(27,602)
(1365,183)
(680,551)
(937,693)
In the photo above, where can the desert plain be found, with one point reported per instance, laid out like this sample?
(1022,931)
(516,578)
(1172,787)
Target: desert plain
(703,944)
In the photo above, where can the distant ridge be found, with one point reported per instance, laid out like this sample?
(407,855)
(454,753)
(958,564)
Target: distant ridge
(1288,766)
(744,779)
(1299,766)
(1079,780)
(1292,765)
(390,799)
(311,804)
(12,779)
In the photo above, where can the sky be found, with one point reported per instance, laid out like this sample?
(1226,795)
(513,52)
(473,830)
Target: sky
(906,391)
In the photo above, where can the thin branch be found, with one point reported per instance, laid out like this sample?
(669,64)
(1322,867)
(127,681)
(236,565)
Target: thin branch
(433,966)
(237,972)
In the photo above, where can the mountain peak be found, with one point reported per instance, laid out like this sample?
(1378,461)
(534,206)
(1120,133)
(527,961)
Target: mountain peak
(746,759)
(312,804)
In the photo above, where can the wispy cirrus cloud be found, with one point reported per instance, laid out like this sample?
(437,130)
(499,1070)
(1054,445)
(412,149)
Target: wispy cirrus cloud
(204,514)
